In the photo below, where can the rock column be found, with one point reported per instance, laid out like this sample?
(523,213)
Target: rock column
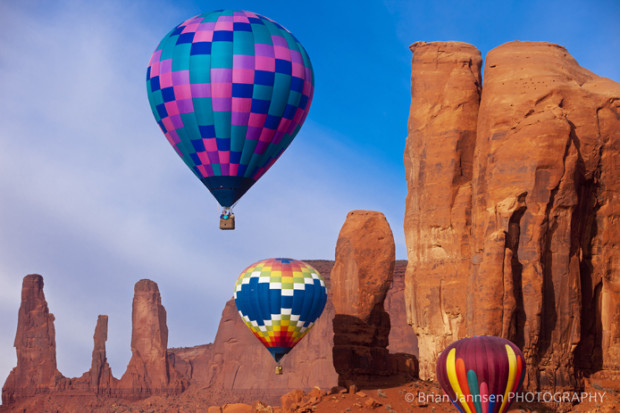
(148,371)
(35,343)
(100,373)
(360,277)
(445,96)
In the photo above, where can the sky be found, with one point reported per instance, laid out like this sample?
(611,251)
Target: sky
(93,198)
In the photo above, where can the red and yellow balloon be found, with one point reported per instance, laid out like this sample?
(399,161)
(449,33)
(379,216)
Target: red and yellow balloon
(481,374)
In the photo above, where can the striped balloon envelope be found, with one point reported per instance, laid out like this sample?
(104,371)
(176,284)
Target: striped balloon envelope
(230,90)
(481,374)
(279,299)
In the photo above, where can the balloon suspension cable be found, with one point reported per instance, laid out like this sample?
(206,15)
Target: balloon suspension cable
(228,210)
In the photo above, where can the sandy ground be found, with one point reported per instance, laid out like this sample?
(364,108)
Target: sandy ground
(416,396)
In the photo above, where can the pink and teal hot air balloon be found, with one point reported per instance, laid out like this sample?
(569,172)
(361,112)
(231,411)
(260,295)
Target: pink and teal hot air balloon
(481,374)
(230,90)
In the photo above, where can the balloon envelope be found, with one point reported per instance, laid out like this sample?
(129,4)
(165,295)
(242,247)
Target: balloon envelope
(230,90)
(481,374)
(279,299)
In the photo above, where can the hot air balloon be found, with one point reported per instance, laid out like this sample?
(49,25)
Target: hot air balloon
(481,374)
(279,299)
(230,90)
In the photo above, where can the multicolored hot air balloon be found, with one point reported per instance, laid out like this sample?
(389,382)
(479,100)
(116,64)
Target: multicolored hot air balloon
(481,374)
(230,90)
(279,299)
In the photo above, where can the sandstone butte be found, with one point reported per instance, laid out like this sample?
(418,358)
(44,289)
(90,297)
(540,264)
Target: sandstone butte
(511,226)
(512,209)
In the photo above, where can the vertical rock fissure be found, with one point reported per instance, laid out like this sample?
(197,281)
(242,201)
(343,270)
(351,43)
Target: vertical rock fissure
(516,324)
(464,164)
(588,353)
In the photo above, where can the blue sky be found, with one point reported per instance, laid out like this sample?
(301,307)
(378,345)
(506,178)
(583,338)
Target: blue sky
(94,199)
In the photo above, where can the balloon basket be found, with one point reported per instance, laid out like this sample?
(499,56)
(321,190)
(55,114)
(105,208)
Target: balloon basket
(227,222)
(278,369)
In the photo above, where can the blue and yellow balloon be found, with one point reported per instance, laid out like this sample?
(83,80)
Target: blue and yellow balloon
(279,299)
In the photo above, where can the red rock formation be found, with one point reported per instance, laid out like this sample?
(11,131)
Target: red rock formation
(524,243)
(235,367)
(101,379)
(402,341)
(401,338)
(364,265)
(445,95)
(183,360)
(149,371)
(361,277)
(544,212)
(35,343)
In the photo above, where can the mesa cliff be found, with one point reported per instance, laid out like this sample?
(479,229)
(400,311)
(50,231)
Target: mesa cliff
(512,211)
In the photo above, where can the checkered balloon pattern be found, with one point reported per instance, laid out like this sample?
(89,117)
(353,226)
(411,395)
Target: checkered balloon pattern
(230,90)
(279,299)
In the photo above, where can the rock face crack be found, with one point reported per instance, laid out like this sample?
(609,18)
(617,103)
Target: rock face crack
(513,316)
